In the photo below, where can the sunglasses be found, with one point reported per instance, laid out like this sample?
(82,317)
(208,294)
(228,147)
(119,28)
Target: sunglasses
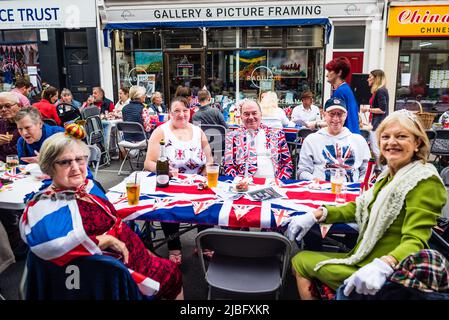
(65,163)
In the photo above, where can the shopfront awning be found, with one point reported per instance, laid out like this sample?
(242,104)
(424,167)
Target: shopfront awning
(223,23)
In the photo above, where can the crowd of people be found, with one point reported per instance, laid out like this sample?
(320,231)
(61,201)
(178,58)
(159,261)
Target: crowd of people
(395,216)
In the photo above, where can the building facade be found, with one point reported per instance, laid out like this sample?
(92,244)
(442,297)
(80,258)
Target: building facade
(237,48)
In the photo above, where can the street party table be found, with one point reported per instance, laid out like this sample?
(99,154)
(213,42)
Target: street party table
(14,188)
(184,202)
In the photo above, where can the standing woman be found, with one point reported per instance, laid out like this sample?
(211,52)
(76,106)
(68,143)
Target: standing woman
(378,104)
(186,148)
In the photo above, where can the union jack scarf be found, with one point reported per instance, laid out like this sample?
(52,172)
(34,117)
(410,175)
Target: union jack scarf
(52,226)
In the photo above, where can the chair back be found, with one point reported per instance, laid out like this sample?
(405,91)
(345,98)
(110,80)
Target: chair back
(50,122)
(94,277)
(430,135)
(245,254)
(90,112)
(440,144)
(67,112)
(94,158)
(94,130)
(131,130)
(365,134)
(216,135)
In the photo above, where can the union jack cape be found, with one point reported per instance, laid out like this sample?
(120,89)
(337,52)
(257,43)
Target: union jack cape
(51,225)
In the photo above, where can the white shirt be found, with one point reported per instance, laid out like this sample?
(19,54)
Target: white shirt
(265,167)
(301,114)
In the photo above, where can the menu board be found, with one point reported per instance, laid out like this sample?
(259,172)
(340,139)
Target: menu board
(439,79)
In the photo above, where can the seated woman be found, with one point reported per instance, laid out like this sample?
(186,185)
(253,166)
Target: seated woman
(47,106)
(272,115)
(64,159)
(395,216)
(156,103)
(134,111)
(33,133)
(187,149)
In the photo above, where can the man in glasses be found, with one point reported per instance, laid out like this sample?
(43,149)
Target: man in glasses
(9,106)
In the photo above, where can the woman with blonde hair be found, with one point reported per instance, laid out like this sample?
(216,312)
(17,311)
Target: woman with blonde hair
(272,115)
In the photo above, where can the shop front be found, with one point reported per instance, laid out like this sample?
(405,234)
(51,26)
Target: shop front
(48,41)
(235,49)
(422,36)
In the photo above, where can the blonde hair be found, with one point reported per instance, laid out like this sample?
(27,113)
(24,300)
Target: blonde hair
(410,122)
(269,104)
(54,146)
(137,92)
(379,80)
(155,95)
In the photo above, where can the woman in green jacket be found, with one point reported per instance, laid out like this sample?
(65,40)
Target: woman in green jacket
(395,216)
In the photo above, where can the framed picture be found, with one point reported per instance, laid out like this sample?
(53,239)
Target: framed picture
(185,70)
(288,63)
(149,61)
(147,81)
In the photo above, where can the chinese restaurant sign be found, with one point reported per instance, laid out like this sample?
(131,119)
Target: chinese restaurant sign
(421,21)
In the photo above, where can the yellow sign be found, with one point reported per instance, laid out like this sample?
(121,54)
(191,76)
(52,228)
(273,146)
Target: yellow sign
(419,21)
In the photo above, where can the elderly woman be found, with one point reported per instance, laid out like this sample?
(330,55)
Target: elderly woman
(134,111)
(187,149)
(67,97)
(156,103)
(64,159)
(33,133)
(395,216)
(272,115)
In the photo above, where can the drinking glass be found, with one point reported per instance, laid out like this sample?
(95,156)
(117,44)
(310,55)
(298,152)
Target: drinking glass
(133,189)
(12,161)
(212,174)
(337,180)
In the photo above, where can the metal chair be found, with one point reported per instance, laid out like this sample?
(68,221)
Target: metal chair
(94,158)
(215,134)
(95,136)
(296,146)
(132,128)
(67,112)
(90,112)
(244,262)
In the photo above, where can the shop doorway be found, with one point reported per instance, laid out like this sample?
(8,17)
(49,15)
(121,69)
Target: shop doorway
(78,69)
(356,59)
(183,69)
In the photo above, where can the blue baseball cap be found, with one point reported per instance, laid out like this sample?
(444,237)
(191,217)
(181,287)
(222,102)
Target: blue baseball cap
(334,103)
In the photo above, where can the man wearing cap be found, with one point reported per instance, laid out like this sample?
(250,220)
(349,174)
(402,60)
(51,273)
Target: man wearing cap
(333,147)
(255,149)
(307,114)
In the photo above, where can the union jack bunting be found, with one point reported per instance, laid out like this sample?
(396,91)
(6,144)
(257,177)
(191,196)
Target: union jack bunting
(182,201)
(68,240)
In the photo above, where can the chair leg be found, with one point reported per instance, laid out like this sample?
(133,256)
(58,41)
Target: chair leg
(123,162)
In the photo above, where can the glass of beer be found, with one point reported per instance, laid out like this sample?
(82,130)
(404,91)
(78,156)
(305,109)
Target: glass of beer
(12,161)
(212,174)
(338,178)
(133,189)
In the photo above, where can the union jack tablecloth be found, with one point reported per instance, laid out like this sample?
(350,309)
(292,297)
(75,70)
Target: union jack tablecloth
(182,201)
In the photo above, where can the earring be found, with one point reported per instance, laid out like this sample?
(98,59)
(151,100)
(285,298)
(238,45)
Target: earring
(416,150)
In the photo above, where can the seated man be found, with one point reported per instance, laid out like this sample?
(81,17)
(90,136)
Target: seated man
(333,147)
(256,150)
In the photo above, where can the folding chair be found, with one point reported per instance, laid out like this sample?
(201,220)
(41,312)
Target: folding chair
(94,158)
(90,112)
(99,277)
(95,136)
(215,134)
(440,146)
(132,128)
(244,263)
(67,112)
(302,134)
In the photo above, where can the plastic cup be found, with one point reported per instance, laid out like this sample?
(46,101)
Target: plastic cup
(133,189)
(161,117)
(212,174)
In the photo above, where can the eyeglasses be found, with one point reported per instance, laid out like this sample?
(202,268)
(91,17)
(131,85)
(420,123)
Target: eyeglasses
(7,106)
(65,163)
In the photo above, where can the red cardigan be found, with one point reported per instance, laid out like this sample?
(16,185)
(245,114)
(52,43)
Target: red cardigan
(47,110)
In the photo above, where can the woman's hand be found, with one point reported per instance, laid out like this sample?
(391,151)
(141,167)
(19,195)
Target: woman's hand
(107,241)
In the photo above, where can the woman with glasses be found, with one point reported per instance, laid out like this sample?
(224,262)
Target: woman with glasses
(187,150)
(93,218)
(33,133)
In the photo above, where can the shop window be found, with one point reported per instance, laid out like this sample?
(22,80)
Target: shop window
(264,37)
(183,38)
(305,36)
(149,40)
(349,37)
(223,38)
(19,36)
(220,73)
(75,39)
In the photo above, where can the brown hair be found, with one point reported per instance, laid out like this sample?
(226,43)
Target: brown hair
(49,92)
(179,99)
(378,81)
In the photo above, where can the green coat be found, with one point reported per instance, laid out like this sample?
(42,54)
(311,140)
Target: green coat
(408,234)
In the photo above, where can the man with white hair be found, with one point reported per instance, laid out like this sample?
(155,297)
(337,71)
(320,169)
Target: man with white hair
(255,149)
(9,106)
(333,147)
